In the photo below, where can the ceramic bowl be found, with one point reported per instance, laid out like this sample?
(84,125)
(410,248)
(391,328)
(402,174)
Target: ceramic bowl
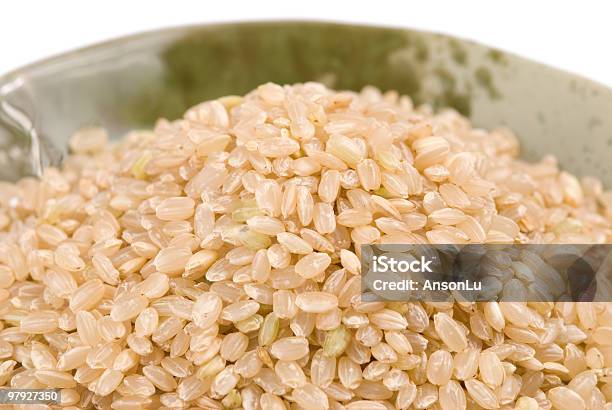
(129,82)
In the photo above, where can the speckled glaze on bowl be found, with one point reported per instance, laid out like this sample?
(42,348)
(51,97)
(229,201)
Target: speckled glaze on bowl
(129,82)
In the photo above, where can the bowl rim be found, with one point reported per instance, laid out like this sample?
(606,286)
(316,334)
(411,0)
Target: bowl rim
(15,73)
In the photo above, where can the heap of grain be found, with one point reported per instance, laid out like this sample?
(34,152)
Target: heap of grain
(212,263)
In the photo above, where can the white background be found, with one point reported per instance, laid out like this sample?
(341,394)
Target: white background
(574,35)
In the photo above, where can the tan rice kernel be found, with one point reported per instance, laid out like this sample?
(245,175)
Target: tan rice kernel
(290,348)
(316,302)
(312,265)
(175,209)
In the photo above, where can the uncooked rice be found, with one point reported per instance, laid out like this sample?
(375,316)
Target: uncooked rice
(214,263)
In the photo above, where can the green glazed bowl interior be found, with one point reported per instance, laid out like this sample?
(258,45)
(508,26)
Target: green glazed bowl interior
(128,83)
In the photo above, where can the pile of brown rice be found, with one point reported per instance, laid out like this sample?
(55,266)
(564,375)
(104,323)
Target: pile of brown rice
(211,263)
